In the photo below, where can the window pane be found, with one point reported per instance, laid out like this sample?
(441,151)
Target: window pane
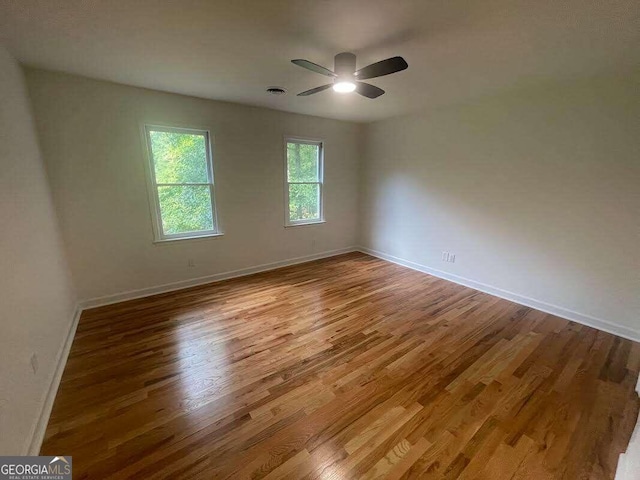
(304,202)
(302,162)
(179,157)
(185,208)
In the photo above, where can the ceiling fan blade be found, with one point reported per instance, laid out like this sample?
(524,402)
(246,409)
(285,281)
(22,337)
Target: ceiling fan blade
(381,68)
(315,90)
(313,67)
(367,90)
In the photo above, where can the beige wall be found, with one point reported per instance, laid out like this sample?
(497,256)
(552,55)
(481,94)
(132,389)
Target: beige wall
(537,192)
(90,136)
(36,298)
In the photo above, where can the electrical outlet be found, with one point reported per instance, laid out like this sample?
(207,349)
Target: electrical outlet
(191,262)
(34,363)
(448,257)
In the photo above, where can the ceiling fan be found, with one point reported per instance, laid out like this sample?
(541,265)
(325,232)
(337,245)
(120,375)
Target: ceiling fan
(347,79)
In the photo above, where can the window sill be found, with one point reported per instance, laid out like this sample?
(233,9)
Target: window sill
(305,224)
(181,239)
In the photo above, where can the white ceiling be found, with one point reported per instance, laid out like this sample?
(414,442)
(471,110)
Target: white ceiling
(232,49)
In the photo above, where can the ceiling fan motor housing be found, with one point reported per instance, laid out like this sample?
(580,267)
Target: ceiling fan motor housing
(345,65)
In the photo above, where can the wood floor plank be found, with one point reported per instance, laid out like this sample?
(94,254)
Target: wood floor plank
(343,368)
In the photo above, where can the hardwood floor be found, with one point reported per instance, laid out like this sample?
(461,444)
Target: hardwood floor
(349,367)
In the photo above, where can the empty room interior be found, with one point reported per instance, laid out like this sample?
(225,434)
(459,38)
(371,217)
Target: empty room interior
(297,239)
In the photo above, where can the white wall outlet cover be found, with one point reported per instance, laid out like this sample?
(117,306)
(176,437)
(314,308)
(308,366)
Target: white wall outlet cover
(448,257)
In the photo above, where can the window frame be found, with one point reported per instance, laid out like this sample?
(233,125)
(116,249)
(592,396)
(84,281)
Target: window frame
(304,141)
(152,184)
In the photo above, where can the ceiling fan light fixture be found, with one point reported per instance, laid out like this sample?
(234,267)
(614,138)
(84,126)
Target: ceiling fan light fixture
(344,87)
(347,79)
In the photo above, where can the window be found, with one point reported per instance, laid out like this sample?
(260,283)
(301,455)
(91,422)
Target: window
(181,183)
(303,190)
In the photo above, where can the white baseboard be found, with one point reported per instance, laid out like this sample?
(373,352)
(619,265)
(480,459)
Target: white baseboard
(557,310)
(170,287)
(61,361)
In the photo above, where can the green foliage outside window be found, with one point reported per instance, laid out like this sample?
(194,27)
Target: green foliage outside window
(185,208)
(180,160)
(303,175)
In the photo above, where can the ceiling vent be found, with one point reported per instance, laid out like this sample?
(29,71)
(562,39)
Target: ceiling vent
(276,90)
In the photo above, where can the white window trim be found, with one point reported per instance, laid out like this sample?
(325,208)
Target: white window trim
(152,185)
(320,182)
